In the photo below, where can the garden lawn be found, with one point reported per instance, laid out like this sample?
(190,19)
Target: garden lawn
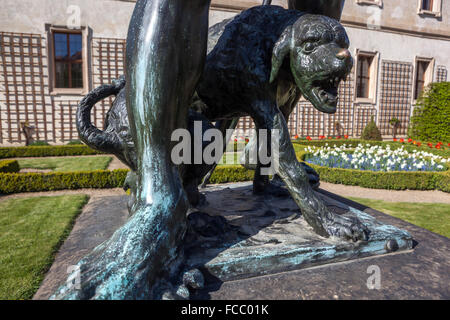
(31,231)
(66,163)
(431,216)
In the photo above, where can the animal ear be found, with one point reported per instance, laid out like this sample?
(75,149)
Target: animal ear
(280,50)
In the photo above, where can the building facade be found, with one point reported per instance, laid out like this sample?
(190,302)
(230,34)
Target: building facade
(52,52)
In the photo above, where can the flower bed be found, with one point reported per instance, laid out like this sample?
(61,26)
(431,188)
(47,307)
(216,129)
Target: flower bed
(390,180)
(376,158)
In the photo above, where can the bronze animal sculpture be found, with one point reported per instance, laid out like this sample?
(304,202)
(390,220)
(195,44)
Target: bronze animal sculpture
(282,53)
(276,55)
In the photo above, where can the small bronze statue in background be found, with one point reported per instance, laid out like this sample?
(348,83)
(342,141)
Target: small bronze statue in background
(28,131)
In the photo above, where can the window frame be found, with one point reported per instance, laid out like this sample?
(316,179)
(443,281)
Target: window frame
(436,11)
(373,76)
(428,75)
(51,30)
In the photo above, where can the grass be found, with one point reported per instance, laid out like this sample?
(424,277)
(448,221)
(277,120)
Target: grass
(431,216)
(66,164)
(31,231)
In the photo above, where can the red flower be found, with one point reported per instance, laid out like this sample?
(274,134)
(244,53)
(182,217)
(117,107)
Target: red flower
(330,137)
(414,142)
(402,140)
(346,137)
(296,137)
(308,138)
(235,140)
(246,140)
(338,137)
(419,144)
(395,139)
(410,140)
(438,146)
(448,145)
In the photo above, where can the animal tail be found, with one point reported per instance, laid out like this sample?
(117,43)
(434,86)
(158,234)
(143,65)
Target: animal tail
(89,134)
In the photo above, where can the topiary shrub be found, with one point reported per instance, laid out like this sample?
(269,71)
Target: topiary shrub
(9,166)
(431,117)
(371,132)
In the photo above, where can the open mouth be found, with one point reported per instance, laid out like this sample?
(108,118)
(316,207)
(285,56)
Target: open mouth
(326,93)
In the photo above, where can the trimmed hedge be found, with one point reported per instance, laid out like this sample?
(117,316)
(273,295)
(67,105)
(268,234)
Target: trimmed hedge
(99,179)
(395,180)
(234,173)
(47,151)
(34,182)
(9,166)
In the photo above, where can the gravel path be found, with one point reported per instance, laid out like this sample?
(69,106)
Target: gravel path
(387,195)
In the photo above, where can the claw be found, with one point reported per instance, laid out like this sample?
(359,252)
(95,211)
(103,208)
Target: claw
(194,279)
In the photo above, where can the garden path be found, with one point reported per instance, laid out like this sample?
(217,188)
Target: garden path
(338,189)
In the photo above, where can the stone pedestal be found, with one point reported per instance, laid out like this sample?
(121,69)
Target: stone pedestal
(238,235)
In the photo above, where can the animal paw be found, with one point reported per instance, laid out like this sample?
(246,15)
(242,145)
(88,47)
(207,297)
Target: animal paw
(348,228)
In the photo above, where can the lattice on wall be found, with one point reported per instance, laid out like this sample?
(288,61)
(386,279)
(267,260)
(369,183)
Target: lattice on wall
(108,64)
(305,120)
(24,86)
(441,74)
(362,117)
(311,122)
(65,120)
(396,90)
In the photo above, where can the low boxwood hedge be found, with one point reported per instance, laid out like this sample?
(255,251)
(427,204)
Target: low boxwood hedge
(395,180)
(34,182)
(232,173)
(46,151)
(9,166)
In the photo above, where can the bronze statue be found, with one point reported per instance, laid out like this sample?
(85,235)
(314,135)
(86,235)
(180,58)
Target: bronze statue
(258,65)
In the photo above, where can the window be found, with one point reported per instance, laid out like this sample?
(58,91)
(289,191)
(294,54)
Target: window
(430,7)
(423,75)
(427,5)
(366,73)
(363,76)
(68,60)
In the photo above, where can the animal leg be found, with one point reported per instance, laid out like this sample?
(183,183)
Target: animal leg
(319,217)
(166,50)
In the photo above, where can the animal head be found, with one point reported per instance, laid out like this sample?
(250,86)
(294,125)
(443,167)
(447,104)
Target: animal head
(317,47)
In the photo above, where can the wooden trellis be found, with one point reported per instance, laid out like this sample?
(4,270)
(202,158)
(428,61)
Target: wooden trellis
(311,122)
(65,120)
(363,115)
(24,86)
(108,64)
(395,101)
(441,74)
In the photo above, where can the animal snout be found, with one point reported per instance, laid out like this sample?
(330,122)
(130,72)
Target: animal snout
(343,54)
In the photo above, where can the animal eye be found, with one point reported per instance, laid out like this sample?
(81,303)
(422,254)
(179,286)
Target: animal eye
(308,46)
